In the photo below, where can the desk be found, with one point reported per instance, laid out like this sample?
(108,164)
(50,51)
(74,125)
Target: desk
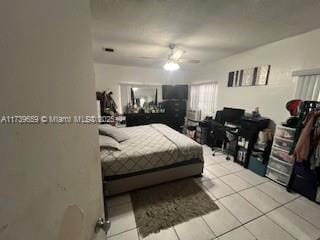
(249,131)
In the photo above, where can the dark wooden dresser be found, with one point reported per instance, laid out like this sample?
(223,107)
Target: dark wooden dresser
(137,119)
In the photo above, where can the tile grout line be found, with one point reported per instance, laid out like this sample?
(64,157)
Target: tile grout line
(235,189)
(215,236)
(263,214)
(241,224)
(127,230)
(217,199)
(281,227)
(298,195)
(233,228)
(244,226)
(175,231)
(301,216)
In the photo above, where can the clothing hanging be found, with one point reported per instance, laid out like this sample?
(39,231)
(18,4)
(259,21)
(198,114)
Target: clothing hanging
(307,138)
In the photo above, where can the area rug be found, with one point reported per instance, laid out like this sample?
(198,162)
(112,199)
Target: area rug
(163,206)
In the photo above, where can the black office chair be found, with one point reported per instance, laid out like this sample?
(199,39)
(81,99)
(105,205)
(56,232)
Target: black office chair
(220,134)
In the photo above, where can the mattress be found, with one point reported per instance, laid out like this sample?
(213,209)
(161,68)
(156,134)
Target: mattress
(149,147)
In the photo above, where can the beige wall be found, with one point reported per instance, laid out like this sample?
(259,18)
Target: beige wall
(46,69)
(285,56)
(109,76)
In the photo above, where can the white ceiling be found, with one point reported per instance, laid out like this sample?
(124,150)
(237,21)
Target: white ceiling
(207,29)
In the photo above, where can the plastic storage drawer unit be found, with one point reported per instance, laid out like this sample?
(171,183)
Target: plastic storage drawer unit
(282,143)
(281,154)
(281,166)
(285,132)
(277,176)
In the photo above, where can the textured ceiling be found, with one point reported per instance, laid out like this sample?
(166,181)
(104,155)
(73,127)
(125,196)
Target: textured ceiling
(207,29)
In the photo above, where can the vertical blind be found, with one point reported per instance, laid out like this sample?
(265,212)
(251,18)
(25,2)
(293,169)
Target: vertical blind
(308,88)
(202,98)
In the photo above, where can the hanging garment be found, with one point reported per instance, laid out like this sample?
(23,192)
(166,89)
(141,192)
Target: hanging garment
(302,148)
(110,104)
(315,146)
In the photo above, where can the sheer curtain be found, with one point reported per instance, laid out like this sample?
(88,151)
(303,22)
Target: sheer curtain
(308,87)
(202,98)
(125,93)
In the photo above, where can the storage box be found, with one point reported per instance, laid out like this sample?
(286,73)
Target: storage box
(257,166)
(281,154)
(282,143)
(277,176)
(285,132)
(281,166)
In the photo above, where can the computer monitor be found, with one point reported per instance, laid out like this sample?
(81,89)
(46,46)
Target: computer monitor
(232,115)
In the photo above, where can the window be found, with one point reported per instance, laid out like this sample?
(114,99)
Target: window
(202,98)
(308,85)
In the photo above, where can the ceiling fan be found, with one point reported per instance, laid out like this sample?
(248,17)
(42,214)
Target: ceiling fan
(173,59)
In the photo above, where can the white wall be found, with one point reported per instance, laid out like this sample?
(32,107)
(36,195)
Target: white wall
(46,69)
(285,56)
(109,76)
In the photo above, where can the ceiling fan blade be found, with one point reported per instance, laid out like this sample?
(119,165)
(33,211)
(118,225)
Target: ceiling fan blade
(184,60)
(177,54)
(153,58)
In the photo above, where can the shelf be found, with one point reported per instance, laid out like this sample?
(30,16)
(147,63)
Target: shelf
(258,150)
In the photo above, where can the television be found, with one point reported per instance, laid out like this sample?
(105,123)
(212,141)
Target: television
(175,92)
(232,115)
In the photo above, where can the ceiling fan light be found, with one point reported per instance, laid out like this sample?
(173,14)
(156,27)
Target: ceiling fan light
(171,66)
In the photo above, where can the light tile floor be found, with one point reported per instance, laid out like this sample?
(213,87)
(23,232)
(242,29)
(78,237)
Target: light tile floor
(250,207)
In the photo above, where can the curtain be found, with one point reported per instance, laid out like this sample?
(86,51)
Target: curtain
(308,88)
(202,98)
(125,91)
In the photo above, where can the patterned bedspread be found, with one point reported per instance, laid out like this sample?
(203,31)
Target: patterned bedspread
(149,146)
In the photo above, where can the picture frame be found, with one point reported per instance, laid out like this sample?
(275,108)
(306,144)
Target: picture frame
(256,76)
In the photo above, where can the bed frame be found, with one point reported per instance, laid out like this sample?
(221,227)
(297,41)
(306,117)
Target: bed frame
(126,184)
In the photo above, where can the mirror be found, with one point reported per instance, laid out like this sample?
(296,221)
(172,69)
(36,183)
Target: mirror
(144,96)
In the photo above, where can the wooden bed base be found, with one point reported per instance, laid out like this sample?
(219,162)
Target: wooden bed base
(148,179)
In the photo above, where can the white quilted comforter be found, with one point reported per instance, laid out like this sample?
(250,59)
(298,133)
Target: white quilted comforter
(149,146)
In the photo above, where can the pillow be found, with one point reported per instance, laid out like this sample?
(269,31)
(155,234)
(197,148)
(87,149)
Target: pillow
(113,132)
(107,142)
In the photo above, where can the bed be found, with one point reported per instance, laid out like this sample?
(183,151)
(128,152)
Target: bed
(153,154)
